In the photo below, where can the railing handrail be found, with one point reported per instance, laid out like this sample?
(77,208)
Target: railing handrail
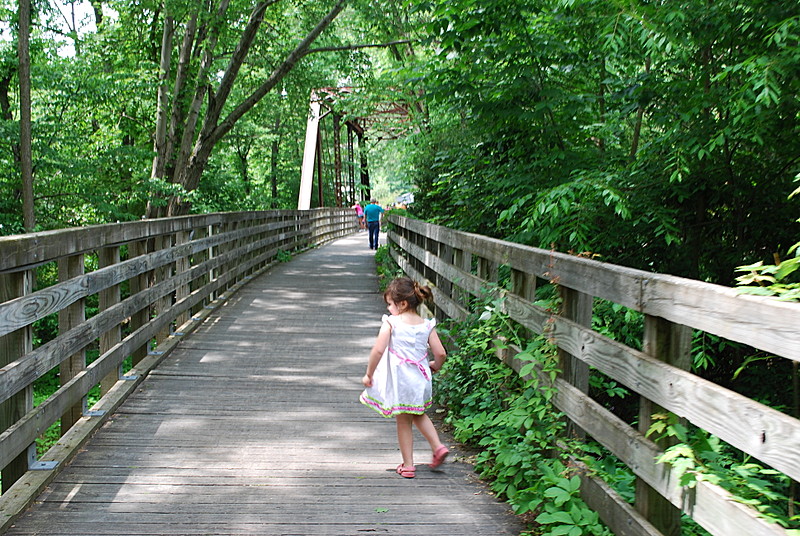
(459,264)
(176,270)
(26,251)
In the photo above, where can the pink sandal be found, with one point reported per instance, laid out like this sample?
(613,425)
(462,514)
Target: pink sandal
(439,456)
(406,472)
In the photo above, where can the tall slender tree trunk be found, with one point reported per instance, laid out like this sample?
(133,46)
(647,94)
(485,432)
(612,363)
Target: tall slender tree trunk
(25,153)
(637,127)
(273,173)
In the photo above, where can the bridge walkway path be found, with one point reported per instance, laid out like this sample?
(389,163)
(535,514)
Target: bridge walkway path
(253,426)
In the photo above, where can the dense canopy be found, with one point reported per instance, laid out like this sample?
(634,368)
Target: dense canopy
(659,135)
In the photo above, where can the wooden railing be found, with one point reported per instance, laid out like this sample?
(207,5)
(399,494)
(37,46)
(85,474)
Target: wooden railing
(460,265)
(152,282)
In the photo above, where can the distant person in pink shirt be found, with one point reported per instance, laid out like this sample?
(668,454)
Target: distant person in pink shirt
(359,216)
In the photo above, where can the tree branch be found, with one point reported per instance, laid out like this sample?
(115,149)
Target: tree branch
(356,47)
(278,74)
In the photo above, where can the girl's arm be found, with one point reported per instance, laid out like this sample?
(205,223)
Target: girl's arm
(377,351)
(439,353)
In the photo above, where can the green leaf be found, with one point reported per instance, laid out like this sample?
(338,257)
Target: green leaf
(547,518)
(558,494)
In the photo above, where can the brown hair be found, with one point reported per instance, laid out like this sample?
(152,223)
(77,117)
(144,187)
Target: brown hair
(407,290)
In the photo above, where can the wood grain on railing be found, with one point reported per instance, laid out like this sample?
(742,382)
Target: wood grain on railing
(459,265)
(172,269)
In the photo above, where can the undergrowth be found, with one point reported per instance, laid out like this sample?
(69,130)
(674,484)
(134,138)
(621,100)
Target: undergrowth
(523,450)
(513,422)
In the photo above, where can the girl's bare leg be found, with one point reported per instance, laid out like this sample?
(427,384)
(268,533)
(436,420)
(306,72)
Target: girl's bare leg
(425,426)
(405,437)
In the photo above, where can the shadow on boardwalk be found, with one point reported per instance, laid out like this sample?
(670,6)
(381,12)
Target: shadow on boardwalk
(253,426)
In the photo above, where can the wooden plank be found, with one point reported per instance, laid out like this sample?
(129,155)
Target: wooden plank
(292,451)
(20,252)
(74,360)
(712,308)
(672,344)
(709,505)
(108,298)
(12,346)
(767,434)
(15,438)
(618,515)
(25,310)
(24,371)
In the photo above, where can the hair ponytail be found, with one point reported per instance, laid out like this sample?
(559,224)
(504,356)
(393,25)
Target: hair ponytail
(409,291)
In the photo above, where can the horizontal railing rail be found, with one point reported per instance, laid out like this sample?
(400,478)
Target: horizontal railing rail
(459,265)
(149,282)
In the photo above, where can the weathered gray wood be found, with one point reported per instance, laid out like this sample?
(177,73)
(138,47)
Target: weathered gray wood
(25,310)
(709,505)
(767,434)
(760,431)
(670,343)
(72,316)
(255,428)
(108,298)
(618,515)
(22,252)
(41,360)
(26,429)
(575,306)
(12,346)
(703,306)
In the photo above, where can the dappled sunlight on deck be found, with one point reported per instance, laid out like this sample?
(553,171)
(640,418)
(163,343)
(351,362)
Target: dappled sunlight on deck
(252,425)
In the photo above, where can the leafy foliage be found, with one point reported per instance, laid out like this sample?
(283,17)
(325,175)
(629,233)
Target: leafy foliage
(780,280)
(699,456)
(513,422)
(648,135)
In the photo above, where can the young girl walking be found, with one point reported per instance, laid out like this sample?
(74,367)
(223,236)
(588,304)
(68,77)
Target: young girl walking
(398,378)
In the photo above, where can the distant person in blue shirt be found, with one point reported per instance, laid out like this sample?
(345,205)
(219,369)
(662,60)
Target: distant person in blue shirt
(373,213)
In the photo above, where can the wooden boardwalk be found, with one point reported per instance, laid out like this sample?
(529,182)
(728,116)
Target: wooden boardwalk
(253,426)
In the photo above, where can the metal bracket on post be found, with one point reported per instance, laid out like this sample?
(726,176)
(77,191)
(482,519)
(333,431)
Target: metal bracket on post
(121,375)
(150,350)
(94,413)
(35,465)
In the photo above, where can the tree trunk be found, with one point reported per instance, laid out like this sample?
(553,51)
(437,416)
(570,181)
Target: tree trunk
(25,153)
(195,149)
(274,161)
(637,127)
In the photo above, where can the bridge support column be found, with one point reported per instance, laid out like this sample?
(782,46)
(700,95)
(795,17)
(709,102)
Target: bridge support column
(309,155)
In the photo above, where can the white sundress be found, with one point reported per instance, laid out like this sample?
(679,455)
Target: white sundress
(401,382)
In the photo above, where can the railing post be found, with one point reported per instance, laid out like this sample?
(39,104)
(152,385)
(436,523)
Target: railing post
(12,347)
(70,317)
(488,271)
(138,284)
(442,282)
(576,306)
(523,285)
(162,274)
(182,265)
(670,343)
(462,259)
(212,253)
(108,298)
